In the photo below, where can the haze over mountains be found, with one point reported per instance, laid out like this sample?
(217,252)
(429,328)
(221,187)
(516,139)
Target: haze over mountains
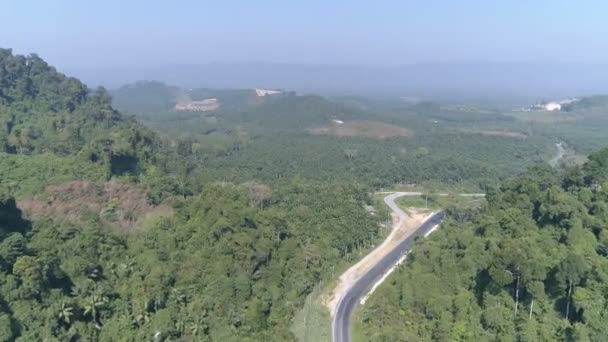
(223,223)
(252,171)
(450,81)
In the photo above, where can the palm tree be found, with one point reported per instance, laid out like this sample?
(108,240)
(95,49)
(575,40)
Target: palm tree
(127,267)
(350,153)
(198,327)
(180,295)
(93,305)
(180,326)
(143,317)
(65,314)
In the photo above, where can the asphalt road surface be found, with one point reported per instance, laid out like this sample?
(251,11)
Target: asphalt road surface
(346,305)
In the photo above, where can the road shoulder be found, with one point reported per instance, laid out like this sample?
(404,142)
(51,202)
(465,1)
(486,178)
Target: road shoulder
(401,230)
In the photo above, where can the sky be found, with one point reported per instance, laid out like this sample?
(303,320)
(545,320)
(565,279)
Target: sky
(127,33)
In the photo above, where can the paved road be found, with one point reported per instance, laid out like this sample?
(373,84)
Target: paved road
(344,310)
(415,193)
(390,201)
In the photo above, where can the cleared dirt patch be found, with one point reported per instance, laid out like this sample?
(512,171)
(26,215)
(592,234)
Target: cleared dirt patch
(119,207)
(362,128)
(198,106)
(503,134)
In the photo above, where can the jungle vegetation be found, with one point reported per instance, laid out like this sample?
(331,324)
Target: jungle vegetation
(105,234)
(531,265)
(212,226)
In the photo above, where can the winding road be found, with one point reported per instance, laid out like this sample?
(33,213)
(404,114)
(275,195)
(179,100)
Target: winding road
(346,304)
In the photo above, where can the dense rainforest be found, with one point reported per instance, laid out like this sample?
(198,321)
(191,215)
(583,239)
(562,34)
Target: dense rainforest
(43,111)
(217,225)
(530,266)
(228,265)
(106,235)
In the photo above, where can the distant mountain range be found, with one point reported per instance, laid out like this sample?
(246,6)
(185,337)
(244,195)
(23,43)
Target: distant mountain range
(464,81)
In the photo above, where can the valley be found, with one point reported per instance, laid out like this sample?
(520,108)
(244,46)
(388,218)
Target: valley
(303,171)
(158,212)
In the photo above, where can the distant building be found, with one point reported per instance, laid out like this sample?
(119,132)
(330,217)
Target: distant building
(552,107)
(265,92)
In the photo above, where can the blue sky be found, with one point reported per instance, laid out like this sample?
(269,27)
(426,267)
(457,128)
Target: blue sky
(150,33)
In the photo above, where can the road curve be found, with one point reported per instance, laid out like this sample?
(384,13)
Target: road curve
(346,304)
(390,201)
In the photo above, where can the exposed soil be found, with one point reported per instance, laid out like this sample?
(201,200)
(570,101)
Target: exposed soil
(198,106)
(362,128)
(119,207)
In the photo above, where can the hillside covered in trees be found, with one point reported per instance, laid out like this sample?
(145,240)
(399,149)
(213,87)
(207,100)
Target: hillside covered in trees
(229,265)
(218,225)
(530,266)
(155,104)
(43,111)
(107,234)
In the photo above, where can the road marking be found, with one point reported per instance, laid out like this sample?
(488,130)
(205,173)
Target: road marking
(431,230)
(341,322)
(399,262)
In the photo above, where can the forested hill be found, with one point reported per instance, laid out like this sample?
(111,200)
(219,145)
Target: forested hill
(531,266)
(154,102)
(42,110)
(107,234)
(145,98)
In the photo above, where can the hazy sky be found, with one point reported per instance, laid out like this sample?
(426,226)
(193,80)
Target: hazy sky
(117,33)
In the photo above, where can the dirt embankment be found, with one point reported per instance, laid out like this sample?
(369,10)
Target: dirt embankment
(398,234)
(362,128)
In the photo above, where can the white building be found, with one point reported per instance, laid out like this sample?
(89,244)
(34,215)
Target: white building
(552,107)
(265,92)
